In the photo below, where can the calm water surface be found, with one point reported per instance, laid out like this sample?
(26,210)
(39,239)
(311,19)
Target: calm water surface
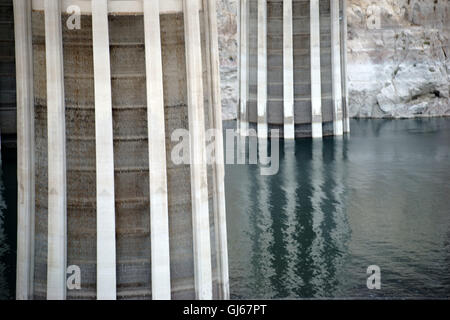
(380,197)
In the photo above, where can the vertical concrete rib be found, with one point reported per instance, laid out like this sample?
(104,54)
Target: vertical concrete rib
(25,149)
(199,182)
(159,214)
(288,73)
(57,208)
(316,82)
(336,68)
(244,68)
(106,233)
(262,70)
(344,68)
(220,223)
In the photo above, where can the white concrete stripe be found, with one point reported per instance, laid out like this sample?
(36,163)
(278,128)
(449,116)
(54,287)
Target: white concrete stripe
(288,74)
(106,233)
(345,106)
(338,129)
(199,182)
(220,223)
(159,215)
(316,82)
(25,149)
(244,69)
(262,70)
(57,209)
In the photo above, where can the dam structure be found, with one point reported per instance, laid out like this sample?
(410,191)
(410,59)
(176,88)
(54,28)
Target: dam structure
(101,87)
(293,68)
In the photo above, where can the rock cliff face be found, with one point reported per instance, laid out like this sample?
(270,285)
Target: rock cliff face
(398,60)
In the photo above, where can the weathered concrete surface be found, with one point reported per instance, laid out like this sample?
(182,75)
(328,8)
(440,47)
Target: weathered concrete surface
(394,71)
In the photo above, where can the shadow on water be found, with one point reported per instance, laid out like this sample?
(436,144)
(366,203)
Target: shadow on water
(340,205)
(8,213)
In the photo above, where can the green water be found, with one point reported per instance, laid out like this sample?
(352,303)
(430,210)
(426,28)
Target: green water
(380,197)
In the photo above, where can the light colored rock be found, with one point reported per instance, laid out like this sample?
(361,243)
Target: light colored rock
(228,46)
(398,60)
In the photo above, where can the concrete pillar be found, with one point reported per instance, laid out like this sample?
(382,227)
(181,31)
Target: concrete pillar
(344,68)
(316,82)
(288,72)
(106,232)
(57,201)
(159,215)
(25,149)
(262,70)
(220,222)
(243,67)
(199,182)
(336,68)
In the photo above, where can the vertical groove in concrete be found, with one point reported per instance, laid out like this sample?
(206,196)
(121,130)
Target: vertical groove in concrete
(106,239)
(159,220)
(244,67)
(199,189)
(57,202)
(262,70)
(25,150)
(344,67)
(316,90)
(336,68)
(213,63)
(288,71)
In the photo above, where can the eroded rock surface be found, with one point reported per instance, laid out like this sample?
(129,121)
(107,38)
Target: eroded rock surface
(398,58)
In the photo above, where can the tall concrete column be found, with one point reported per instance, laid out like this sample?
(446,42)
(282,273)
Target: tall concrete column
(220,222)
(159,214)
(344,31)
(316,82)
(57,201)
(288,72)
(25,149)
(106,230)
(199,182)
(336,68)
(262,70)
(243,67)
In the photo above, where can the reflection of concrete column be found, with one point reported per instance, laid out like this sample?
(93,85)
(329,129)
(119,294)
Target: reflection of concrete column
(288,71)
(290,191)
(316,82)
(220,223)
(336,68)
(317,184)
(106,231)
(199,182)
(262,69)
(25,149)
(344,67)
(57,208)
(243,67)
(159,216)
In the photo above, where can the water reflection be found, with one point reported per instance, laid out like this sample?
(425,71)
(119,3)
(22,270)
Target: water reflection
(340,205)
(294,221)
(3,245)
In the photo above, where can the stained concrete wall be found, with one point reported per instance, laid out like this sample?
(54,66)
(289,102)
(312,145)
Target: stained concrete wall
(8,121)
(130,157)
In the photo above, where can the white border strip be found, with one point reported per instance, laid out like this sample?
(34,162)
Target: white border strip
(118,6)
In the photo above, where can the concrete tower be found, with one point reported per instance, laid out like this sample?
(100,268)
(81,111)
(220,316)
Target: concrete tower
(292,69)
(97,105)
